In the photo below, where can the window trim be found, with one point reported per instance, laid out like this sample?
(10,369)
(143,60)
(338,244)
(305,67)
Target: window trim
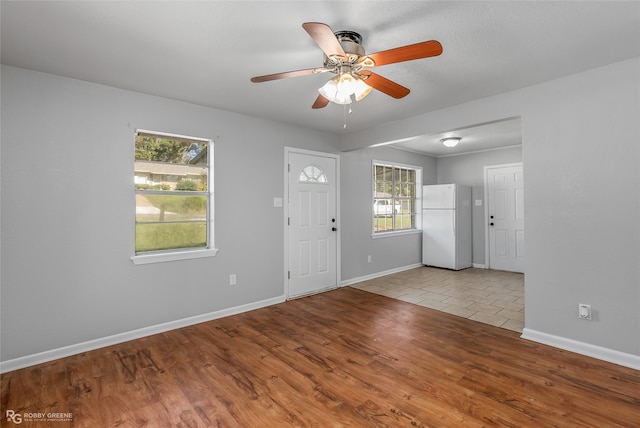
(176,254)
(418,199)
(172,255)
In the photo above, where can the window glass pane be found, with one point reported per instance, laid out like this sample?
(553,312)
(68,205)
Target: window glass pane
(394,193)
(164,236)
(382,223)
(174,177)
(171,180)
(167,149)
(388,171)
(403,221)
(407,190)
(170,164)
(170,207)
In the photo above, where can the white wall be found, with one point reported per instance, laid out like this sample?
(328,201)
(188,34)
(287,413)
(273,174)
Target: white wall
(68,210)
(387,253)
(469,170)
(582,205)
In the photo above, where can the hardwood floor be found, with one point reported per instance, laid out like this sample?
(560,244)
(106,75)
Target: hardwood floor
(345,358)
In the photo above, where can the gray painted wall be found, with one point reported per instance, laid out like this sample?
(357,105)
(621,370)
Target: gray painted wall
(581,154)
(469,169)
(386,253)
(68,204)
(581,151)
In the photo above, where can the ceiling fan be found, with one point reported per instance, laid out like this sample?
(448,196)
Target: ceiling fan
(345,57)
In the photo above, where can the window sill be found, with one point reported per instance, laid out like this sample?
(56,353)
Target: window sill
(173,256)
(396,233)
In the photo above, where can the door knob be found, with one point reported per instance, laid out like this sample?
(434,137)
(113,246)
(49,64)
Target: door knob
(333,229)
(490,224)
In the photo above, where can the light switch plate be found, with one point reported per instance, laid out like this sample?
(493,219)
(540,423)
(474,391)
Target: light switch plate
(277,202)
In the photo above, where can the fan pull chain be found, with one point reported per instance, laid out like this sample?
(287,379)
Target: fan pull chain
(344,115)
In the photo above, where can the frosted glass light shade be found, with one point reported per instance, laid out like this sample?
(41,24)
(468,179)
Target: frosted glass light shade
(451,141)
(330,91)
(361,89)
(346,84)
(340,88)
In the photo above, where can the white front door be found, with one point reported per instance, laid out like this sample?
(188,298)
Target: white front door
(505,217)
(312,226)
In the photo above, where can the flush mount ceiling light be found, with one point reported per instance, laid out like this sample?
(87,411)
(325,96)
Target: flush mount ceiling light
(451,141)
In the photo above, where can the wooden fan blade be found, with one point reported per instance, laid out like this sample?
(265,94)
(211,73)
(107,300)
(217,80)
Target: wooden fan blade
(385,85)
(321,102)
(286,74)
(323,35)
(405,53)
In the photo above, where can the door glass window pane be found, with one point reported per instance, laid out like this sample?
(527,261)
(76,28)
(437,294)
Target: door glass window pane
(312,174)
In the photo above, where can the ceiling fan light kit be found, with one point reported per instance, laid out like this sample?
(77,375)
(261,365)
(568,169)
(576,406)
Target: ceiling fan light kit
(450,141)
(345,57)
(340,89)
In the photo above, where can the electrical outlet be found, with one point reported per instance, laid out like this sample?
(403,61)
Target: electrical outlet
(369,258)
(232,279)
(584,311)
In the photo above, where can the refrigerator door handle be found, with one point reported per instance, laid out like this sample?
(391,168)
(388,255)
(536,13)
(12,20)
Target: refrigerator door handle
(453,224)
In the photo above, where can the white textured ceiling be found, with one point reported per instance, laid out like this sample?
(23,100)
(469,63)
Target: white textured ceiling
(476,138)
(205,52)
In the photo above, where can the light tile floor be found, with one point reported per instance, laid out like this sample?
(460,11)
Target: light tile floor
(488,296)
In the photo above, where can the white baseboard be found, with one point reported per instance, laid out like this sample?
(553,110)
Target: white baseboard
(478,265)
(378,274)
(66,351)
(605,354)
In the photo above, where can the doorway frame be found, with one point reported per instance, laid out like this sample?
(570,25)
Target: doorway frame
(487,249)
(285,218)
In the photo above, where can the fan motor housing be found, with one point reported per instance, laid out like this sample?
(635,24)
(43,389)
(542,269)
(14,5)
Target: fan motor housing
(350,42)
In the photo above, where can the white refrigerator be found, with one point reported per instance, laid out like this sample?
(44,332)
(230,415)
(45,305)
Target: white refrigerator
(446,226)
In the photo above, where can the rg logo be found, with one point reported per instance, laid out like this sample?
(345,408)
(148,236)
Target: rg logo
(14,417)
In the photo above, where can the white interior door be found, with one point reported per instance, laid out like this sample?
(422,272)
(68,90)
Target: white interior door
(312,242)
(505,217)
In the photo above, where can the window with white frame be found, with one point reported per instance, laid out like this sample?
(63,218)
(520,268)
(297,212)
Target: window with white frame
(396,197)
(173,188)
